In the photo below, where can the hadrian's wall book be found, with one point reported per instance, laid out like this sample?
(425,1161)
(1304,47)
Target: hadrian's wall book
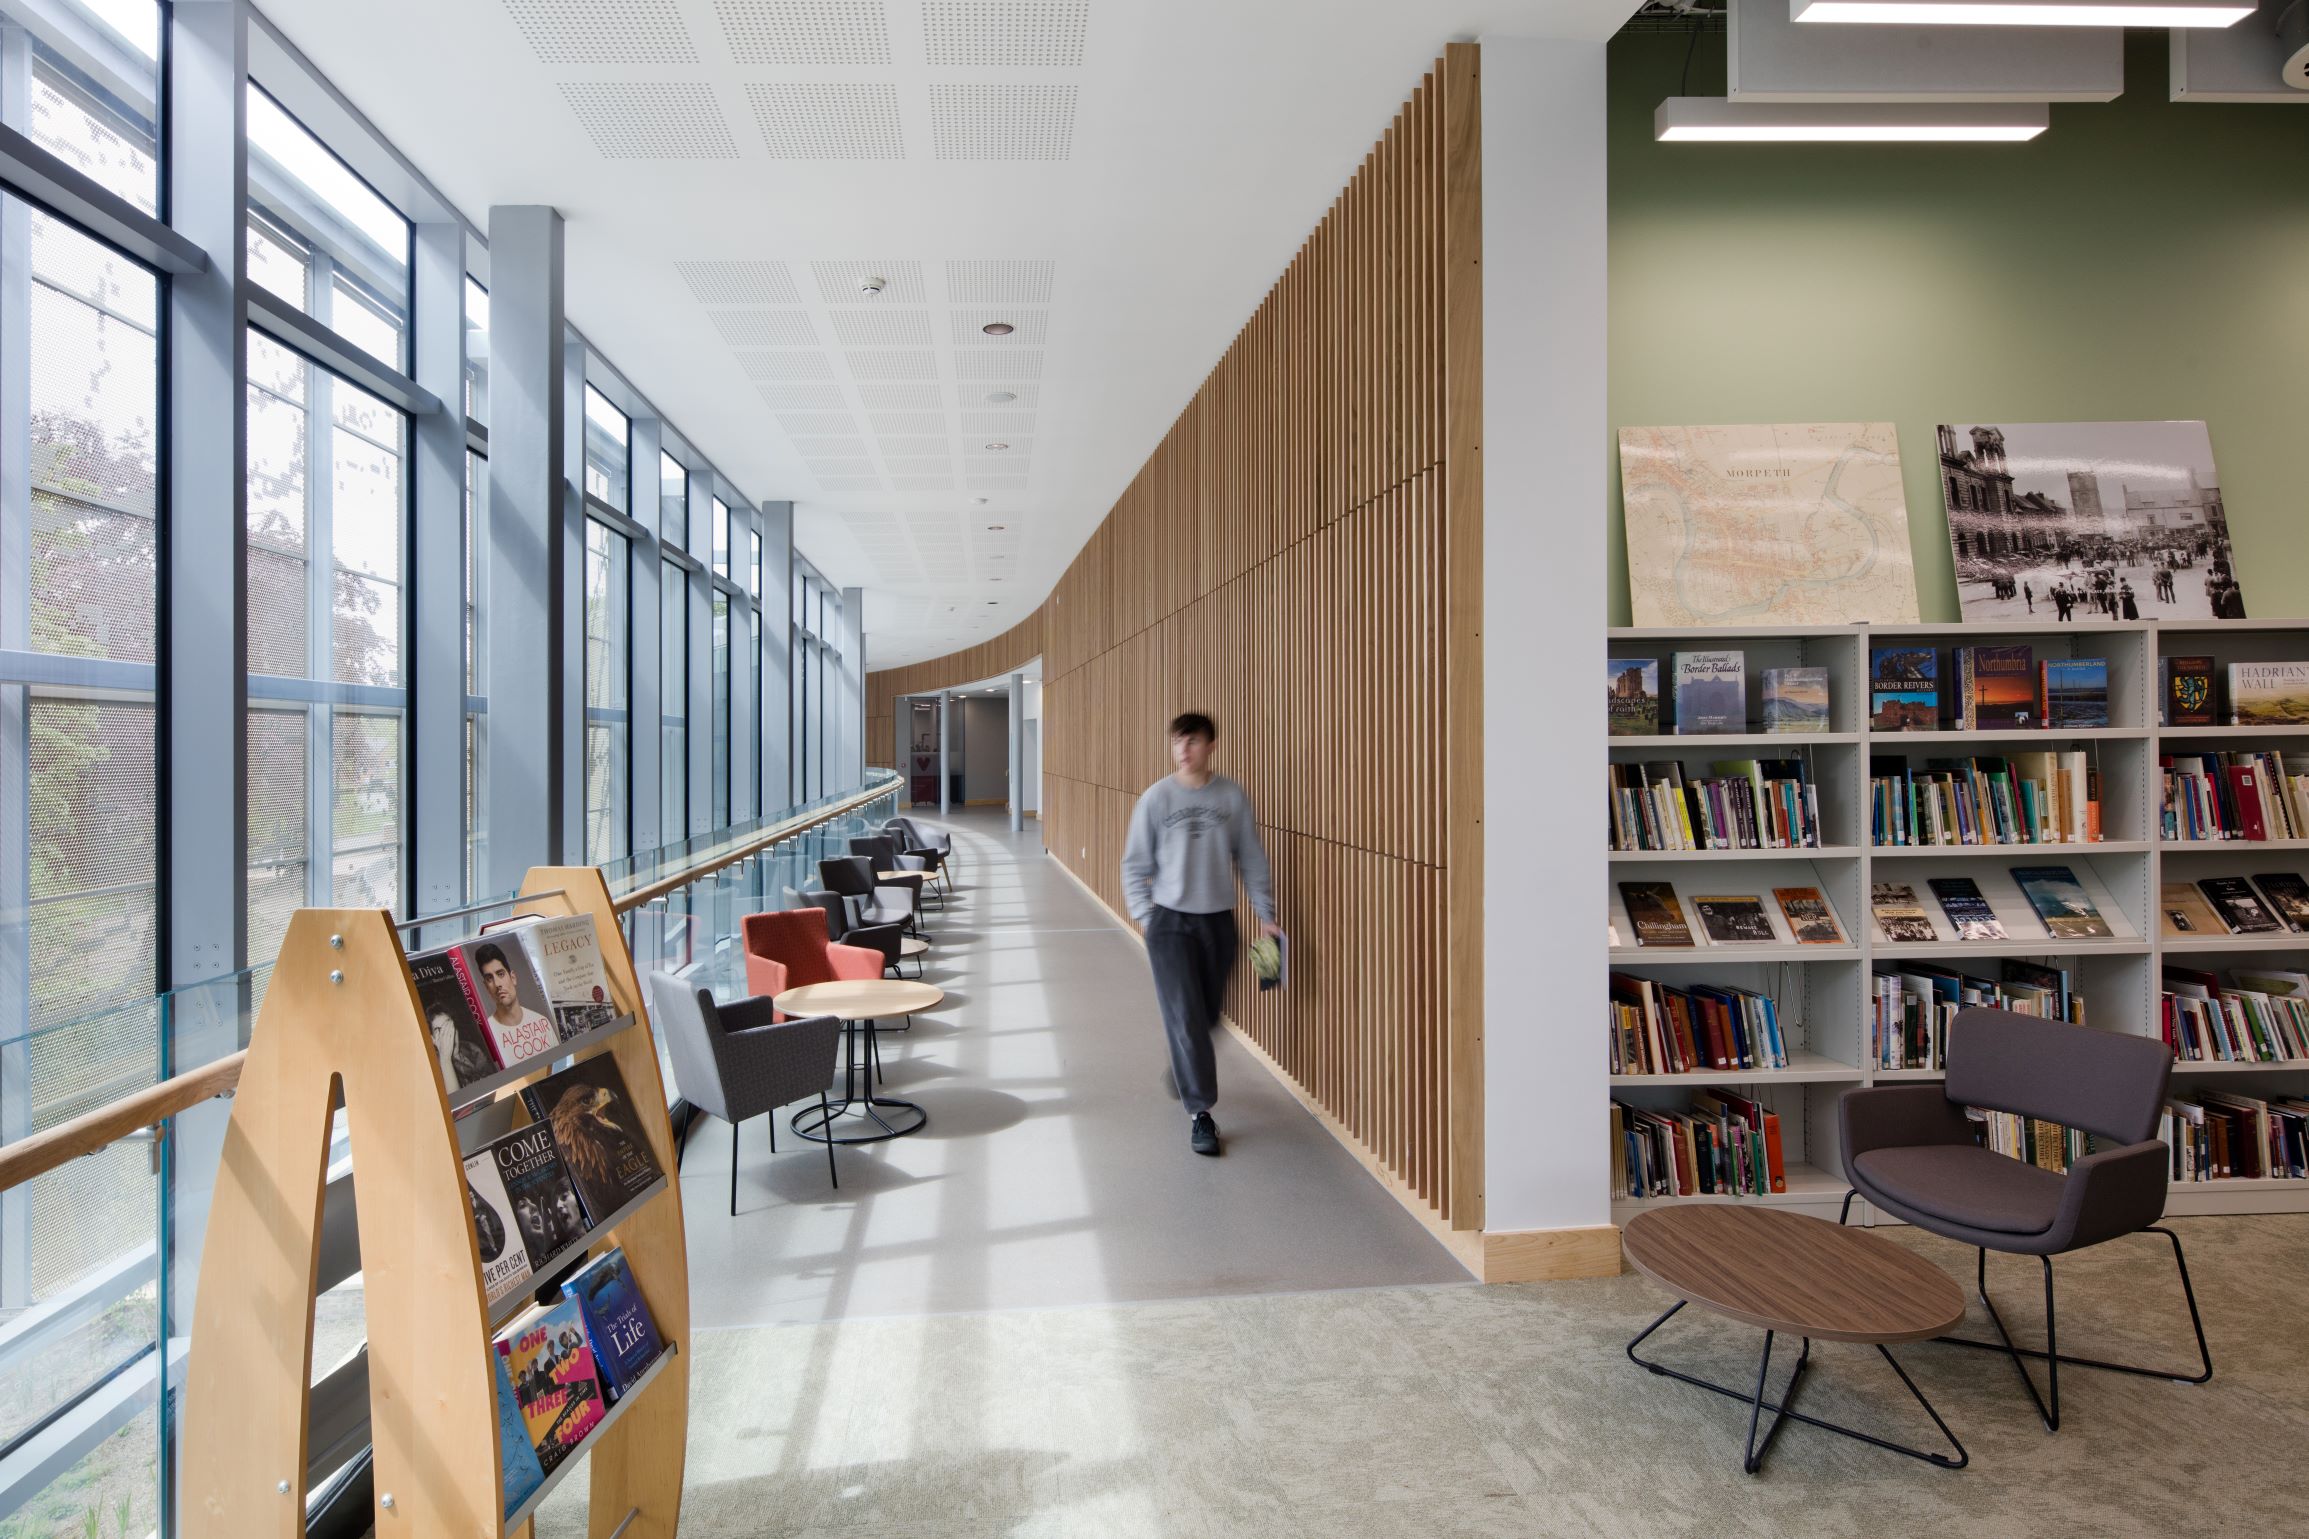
(504,1255)
(596,1131)
(1711,692)
(2268,694)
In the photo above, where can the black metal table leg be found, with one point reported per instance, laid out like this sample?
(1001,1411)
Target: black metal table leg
(818,1123)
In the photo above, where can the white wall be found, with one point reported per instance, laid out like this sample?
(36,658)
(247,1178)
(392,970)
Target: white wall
(982,747)
(1546,1092)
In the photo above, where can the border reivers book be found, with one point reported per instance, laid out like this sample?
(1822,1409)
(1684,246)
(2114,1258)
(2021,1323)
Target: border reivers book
(1904,689)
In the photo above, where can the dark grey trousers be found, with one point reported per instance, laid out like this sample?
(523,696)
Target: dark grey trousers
(1192,956)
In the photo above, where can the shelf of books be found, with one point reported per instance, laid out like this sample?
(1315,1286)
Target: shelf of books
(524,1273)
(1827,840)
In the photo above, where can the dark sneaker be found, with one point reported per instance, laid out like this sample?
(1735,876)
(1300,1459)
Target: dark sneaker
(1204,1137)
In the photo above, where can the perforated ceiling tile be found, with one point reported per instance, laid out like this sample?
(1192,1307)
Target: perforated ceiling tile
(882,328)
(909,422)
(765,328)
(850,483)
(1002,122)
(896,395)
(651,120)
(1017,447)
(976,465)
(839,282)
(999,281)
(800,397)
(900,483)
(717,282)
(892,365)
(604,31)
(1005,34)
(841,467)
(818,422)
(924,445)
(1028,328)
(917,464)
(997,483)
(764,365)
(829,120)
(830,448)
(992,423)
(805,31)
(997,364)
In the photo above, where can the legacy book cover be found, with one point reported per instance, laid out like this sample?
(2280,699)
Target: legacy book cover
(625,1339)
(567,955)
(545,1205)
(594,1126)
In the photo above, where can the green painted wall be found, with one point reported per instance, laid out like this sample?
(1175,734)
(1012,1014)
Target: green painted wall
(2141,260)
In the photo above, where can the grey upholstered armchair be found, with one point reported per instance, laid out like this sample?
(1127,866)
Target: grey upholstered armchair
(736,1061)
(1911,1150)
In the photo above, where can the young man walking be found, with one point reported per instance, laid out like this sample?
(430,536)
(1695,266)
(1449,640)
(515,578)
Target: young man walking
(1190,837)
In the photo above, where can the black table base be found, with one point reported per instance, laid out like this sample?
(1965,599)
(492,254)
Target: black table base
(1753,1459)
(819,1124)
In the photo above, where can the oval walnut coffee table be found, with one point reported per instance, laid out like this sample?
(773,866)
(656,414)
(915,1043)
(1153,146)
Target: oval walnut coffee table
(1792,1273)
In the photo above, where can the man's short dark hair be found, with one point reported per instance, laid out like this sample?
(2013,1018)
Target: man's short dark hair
(488,954)
(1188,723)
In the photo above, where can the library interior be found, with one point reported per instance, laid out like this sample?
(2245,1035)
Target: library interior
(911,599)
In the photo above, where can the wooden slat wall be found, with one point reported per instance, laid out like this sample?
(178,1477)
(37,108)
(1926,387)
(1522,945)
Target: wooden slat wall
(1019,644)
(1294,559)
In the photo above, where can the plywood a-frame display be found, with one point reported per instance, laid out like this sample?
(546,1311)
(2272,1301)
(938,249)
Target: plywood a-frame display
(341,1018)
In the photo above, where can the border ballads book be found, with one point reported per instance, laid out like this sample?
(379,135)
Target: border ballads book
(596,1131)
(1711,692)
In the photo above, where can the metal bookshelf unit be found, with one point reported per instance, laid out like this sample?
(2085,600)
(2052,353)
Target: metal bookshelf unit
(1824,992)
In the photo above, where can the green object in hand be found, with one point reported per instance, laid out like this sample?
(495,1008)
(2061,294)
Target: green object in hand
(1267,959)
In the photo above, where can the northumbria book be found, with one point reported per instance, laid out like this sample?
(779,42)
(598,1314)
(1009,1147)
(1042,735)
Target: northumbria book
(1899,915)
(1966,909)
(504,1255)
(1795,700)
(567,956)
(1632,690)
(514,1010)
(597,1133)
(2239,906)
(1735,921)
(625,1339)
(554,1382)
(518,1456)
(1656,915)
(2061,902)
(1810,919)
(452,1017)
(1904,689)
(2268,694)
(545,1206)
(1711,692)
(2075,692)
(1996,688)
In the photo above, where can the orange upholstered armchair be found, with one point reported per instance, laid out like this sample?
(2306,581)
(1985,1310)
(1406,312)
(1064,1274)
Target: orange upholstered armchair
(788,949)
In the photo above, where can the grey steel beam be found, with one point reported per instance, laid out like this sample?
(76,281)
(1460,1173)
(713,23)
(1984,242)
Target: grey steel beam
(850,705)
(777,657)
(945,771)
(701,655)
(286,324)
(1017,752)
(58,186)
(645,766)
(567,637)
(527,549)
(437,569)
(15,704)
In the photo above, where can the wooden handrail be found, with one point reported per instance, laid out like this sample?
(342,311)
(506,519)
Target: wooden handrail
(37,1154)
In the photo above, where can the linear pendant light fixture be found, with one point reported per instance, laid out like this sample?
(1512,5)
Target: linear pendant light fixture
(2024,13)
(1711,119)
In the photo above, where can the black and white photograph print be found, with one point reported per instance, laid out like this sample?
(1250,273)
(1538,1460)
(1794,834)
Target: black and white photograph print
(2086,522)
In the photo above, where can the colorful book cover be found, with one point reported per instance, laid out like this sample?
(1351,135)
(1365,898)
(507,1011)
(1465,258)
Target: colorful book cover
(504,1254)
(2002,684)
(2061,902)
(514,1008)
(2239,906)
(1795,700)
(452,1018)
(1633,692)
(597,1133)
(1810,919)
(545,1206)
(2269,694)
(550,1363)
(624,1337)
(1961,900)
(2076,692)
(2187,692)
(1656,915)
(523,1472)
(1904,689)
(2186,912)
(567,955)
(1735,921)
(1899,915)
(1711,692)
(2288,898)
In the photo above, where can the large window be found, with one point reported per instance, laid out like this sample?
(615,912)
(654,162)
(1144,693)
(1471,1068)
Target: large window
(476,676)
(476,352)
(673,694)
(608,569)
(608,451)
(320,239)
(326,519)
(721,748)
(721,538)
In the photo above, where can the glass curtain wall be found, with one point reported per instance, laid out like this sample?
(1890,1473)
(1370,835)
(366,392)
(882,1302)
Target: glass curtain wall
(608,639)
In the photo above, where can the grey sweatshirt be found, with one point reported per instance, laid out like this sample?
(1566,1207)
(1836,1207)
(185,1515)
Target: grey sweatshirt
(1186,846)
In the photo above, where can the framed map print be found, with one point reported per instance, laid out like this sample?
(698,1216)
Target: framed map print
(1796,524)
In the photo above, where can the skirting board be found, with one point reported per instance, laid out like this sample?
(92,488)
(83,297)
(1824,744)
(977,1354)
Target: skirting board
(1522,1255)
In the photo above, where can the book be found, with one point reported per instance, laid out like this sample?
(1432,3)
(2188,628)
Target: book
(1735,921)
(1633,694)
(1711,692)
(1967,910)
(1810,919)
(1795,700)
(514,1009)
(504,1254)
(597,1134)
(2185,691)
(2061,902)
(546,1209)
(566,953)
(1899,917)
(453,1017)
(1904,689)
(515,1453)
(2239,906)
(1996,688)
(2269,694)
(2073,692)
(617,1322)
(550,1363)
(2185,911)
(1658,919)
(2287,896)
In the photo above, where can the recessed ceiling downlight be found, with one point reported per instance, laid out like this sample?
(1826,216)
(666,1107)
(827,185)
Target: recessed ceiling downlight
(998,446)
(1714,120)
(2024,13)
(996,528)
(998,328)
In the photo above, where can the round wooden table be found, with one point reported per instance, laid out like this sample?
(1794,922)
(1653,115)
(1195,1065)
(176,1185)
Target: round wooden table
(1791,1273)
(860,1002)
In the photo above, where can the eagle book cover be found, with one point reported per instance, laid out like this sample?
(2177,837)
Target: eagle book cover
(504,1255)
(452,1018)
(625,1339)
(545,1205)
(554,1381)
(595,1129)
